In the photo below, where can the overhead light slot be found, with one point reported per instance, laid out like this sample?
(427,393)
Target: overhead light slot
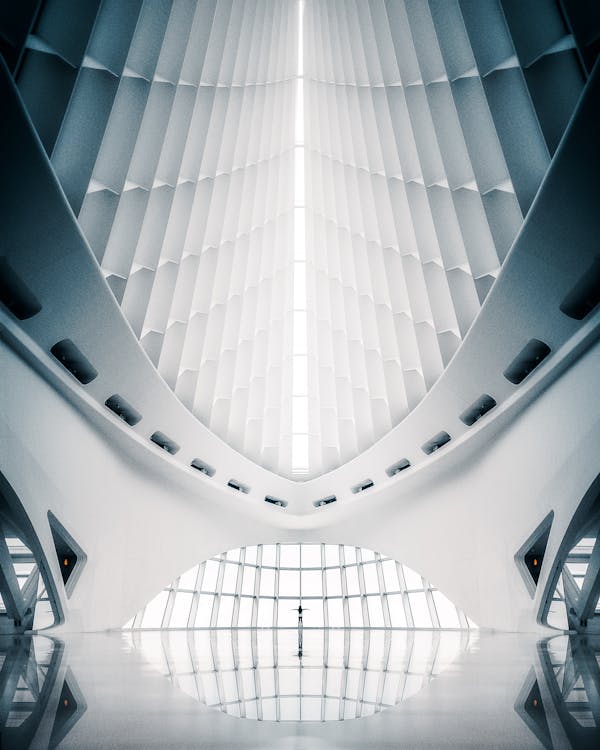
(276,501)
(204,468)
(325,501)
(436,442)
(530,357)
(164,442)
(585,295)
(15,294)
(362,486)
(238,486)
(74,361)
(396,468)
(477,410)
(123,410)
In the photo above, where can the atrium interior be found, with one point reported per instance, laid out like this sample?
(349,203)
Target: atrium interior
(299,354)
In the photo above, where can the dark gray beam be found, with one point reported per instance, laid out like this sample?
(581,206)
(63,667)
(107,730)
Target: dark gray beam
(9,585)
(590,589)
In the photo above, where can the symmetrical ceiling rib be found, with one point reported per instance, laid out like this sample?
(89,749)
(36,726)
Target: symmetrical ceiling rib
(407,187)
(301,234)
(191,216)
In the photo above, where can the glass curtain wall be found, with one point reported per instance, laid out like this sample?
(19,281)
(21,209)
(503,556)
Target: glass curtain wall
(338,586)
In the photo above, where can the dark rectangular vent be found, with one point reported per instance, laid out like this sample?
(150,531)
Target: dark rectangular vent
(235,485)
(325,501)
(15,294)
(585,295)
(477,409)
(396,468)
(74,361)
(362,486)
(436,442)
(276,501)
(532,354)
(123,410)
(164,442)
(204,468)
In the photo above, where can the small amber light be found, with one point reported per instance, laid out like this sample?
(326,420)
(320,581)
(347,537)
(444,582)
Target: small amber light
(535,701)
(65,703)
(65,562)
(535,562)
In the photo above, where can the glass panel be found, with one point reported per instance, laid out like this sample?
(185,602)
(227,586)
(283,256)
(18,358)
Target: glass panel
(312,584)
(267,582)
(420,610)
(287,613)
(332,555)
(265,613)
(300,452)
(375,612)
(245,615)
(413,580)
(333,581)
(181,610)
(225,616)
(289,583)
(230,578)
(300,286)
(300,375)
(300,413)
(248,580)
(299,332)
(352,580)
(311,555)
(289,556)
(268,555)
(188,579)
(371,580)
(335,613)
(209,580)
(446,611)
(155,610)
(349,555)
(355,608)
(390,575)
(204,611)
(396,608)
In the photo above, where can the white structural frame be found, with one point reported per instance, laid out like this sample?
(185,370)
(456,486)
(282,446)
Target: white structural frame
(457,514)
(340,586)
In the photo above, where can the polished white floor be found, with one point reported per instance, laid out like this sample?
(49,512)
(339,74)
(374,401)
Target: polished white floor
(441,690)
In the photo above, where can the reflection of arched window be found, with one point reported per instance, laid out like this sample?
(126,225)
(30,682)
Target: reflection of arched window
(28,597)
(338,586)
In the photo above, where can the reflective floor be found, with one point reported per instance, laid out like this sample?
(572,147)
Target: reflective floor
(348,690)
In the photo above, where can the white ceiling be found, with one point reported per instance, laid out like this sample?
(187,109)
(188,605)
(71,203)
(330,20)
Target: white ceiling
(407,198)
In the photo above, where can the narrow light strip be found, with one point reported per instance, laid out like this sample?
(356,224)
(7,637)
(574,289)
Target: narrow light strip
(300,461)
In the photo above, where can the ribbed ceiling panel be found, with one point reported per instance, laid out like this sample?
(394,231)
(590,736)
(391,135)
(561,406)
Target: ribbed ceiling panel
(406,186)
(189,211)
(428,127)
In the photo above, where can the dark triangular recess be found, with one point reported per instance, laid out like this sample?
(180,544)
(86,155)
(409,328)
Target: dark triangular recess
(71,706)
(71,558)
(530,708)
(530,557)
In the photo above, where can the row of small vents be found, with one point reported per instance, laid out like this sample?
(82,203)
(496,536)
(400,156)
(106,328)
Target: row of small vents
(23,304)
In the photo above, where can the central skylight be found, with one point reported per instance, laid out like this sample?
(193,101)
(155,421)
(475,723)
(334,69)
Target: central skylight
(301,205)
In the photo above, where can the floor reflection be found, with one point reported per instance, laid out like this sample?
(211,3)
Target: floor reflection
(342,674)
(560,700)
(39,698)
